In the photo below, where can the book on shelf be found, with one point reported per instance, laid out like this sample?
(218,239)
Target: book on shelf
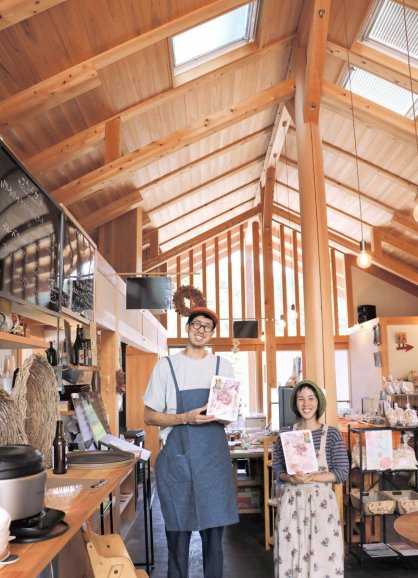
(224,398)
(404,548)
(379,453)
(378,550)
(299,451)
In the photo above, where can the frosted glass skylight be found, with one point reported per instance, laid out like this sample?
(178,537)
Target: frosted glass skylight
(226,32)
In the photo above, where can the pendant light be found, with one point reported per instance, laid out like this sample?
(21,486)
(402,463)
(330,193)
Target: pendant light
(293,314)
(363,260)
(413,108)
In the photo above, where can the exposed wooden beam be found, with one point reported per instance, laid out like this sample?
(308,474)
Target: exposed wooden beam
(406,221)
(206,184)
(113,173)
(400,243)
(338,99)
(83,140)
(386,276)
(15,11)
(203,238)
(315,59)
(378,63)
(134,199)
(25,104)
(344,154)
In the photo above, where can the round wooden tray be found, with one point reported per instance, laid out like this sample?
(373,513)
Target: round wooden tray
(99,459)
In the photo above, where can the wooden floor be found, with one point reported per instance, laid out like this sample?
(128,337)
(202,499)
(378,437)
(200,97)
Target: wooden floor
(244,552)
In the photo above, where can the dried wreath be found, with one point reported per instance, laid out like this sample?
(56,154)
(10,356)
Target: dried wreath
(194,295)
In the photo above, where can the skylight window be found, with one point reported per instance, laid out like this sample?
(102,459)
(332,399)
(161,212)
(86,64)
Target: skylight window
(214,37)
(386,32)
(381,91)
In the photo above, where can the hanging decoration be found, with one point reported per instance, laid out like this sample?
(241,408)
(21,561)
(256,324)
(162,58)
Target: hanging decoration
(235,345)
(190,293)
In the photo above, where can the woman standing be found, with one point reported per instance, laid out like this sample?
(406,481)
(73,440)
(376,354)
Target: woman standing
(308,533)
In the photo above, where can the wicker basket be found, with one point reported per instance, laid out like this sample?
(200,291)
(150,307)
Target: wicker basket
(406,500)
(374,503)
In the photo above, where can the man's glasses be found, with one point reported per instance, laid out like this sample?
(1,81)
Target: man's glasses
(197,325)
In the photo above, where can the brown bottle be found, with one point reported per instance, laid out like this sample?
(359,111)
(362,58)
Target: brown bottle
(59,450)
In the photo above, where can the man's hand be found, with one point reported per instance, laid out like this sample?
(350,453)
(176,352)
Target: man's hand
(196,416)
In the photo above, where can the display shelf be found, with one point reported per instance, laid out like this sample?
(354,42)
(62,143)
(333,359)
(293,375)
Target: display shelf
(11,341)
(270,502)
(363,527)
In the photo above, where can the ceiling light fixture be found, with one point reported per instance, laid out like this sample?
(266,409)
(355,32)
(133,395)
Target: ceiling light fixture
(364,260)
(282,322)
(293,314)
(414,112)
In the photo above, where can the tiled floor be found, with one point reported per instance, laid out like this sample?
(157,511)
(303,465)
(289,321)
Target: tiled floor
(244,552)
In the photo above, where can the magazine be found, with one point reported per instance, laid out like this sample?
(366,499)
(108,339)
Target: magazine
(378,550)
(224,398)
(379,454)
(299,451)
(404,548)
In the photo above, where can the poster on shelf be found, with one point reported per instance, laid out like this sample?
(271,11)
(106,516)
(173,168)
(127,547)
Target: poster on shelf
(379,451)
(299,451)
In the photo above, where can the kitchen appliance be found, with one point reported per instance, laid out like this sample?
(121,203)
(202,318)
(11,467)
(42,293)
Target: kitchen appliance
(22,481)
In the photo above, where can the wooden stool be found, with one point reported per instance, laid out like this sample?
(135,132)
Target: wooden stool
(109,557)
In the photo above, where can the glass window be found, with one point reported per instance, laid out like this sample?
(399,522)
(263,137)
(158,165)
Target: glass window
(214,37)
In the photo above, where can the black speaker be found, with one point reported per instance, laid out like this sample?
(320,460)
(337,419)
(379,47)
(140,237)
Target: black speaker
(365,313)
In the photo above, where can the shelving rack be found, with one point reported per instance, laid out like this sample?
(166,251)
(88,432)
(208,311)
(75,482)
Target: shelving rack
(369,480)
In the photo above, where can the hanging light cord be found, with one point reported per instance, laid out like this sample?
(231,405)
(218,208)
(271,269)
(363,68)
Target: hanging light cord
(410,74)
(352,120)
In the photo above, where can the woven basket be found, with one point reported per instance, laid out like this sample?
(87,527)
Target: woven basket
(374,503)
(406,500)
(12,421)
(36,395)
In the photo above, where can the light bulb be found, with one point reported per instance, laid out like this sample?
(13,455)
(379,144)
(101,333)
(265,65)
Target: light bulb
(282,322)
(263,337)
(415,213)
(364,260)
(293,314)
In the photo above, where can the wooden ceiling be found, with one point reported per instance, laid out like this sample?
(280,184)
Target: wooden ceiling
(91,105)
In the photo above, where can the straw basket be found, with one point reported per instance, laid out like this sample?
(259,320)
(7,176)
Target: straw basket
(374,503)
(406,500)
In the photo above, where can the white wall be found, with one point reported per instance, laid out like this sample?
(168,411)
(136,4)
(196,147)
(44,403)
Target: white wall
(366,378)
(389,301)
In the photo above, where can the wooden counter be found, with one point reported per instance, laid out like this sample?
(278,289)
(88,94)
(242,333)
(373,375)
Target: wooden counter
(35,556)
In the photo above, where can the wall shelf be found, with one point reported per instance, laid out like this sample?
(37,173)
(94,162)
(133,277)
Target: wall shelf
(11,341)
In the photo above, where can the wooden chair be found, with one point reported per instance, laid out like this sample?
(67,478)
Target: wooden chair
(270,502)
(109,557)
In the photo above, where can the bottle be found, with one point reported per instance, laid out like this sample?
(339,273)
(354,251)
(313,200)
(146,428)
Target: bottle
(78,347)
(59,450)
(51,354)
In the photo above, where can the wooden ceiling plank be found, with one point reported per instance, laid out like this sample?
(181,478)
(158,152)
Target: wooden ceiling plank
(203,238)
(113,141)
(378,63)
(209,203)
(42,96)
(337,99)
(111,210)
(315,59)
(76,145)
(112,173)
(15,11)
(49,93)
(206,184)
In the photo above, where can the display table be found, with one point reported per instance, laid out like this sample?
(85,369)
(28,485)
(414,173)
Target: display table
(407,527)
(35,556)
(248,485)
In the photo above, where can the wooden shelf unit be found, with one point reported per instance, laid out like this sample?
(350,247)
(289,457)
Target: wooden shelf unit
(11,341)
(270,502)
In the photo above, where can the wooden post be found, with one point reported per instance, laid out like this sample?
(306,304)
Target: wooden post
(319,339)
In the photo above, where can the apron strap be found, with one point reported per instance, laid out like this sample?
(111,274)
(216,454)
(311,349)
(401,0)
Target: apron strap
(172,373)
(218,363)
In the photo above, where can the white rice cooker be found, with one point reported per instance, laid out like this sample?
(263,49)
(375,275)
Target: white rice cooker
(22,481)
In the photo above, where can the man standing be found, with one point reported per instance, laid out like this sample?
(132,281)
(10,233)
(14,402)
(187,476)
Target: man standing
(193,470)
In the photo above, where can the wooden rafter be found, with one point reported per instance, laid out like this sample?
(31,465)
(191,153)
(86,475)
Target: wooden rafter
(203,238)
(113,173)
(40,96)
(14,11)
(337,99)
